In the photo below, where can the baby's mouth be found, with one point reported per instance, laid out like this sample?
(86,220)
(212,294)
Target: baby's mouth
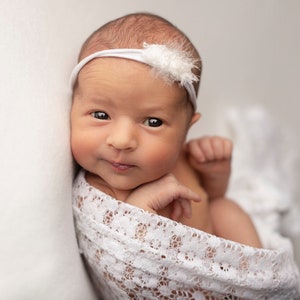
(121,167)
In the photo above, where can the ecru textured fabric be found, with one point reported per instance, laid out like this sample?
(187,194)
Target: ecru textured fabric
(133,254)
(265,173)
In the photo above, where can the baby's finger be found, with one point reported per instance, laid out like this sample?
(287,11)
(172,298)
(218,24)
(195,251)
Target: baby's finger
(217,148)
(177,211)
(186,207)
(186,193)
(181,207)
(206,147)
(228,148)
(195,151)
(221,148)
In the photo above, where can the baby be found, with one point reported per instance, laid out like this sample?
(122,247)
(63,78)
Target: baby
(134,100)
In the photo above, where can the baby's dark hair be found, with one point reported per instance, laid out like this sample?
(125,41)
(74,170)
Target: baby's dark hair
(132,30)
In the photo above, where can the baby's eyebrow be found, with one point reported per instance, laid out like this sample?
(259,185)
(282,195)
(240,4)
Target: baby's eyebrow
(95,99)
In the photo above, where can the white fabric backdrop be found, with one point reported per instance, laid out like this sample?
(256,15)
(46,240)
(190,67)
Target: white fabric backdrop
(250,51)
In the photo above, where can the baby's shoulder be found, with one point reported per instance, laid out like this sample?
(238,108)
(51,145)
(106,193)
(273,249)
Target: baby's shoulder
(187,176)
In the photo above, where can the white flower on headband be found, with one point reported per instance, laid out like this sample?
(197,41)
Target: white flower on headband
(172,64)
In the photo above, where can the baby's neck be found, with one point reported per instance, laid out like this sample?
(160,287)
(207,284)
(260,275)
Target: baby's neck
(98,183)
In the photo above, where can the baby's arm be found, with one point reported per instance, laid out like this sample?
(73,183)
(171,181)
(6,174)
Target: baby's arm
(210,156)
(158,194)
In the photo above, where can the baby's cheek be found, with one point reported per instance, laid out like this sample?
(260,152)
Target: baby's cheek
(164,160)
(77,154)
(78,148)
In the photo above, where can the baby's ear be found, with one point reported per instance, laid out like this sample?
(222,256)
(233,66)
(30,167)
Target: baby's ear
(195,118)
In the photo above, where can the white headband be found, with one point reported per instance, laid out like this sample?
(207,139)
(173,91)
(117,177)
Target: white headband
(171,64)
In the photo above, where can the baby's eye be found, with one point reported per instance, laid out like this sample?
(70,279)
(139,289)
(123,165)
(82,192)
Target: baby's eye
(101,115)
(153,122)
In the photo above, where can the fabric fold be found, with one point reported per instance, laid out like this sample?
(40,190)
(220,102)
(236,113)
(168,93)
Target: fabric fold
(134,254)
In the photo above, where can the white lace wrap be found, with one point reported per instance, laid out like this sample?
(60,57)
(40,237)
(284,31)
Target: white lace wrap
(133,254)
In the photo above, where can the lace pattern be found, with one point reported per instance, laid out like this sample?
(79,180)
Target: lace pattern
(133,254)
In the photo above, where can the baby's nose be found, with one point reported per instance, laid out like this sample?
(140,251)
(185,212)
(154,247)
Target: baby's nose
(122,136)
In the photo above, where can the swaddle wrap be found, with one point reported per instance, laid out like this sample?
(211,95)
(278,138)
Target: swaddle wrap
(133,254)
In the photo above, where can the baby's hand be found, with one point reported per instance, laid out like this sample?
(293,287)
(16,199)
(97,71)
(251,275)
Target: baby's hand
(210,154)
(158,194)
(211,157)
(210,148)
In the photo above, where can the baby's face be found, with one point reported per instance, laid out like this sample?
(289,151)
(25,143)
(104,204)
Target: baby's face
(128,126)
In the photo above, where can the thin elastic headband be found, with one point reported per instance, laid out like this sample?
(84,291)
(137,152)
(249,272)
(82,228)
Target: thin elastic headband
(172,64)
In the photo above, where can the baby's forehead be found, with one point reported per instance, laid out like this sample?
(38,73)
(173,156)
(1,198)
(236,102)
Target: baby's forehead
(110,68)
(116,70)
(106,76)
(171,64)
